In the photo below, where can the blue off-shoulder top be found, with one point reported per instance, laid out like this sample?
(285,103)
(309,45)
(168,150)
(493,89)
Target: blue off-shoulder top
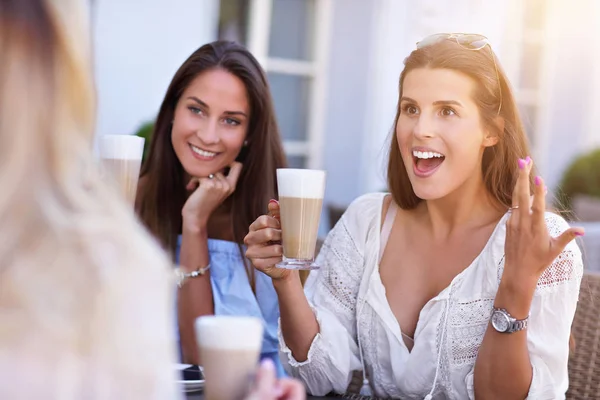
(233,295)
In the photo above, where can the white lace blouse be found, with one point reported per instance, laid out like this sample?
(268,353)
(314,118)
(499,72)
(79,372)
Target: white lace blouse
(350,304)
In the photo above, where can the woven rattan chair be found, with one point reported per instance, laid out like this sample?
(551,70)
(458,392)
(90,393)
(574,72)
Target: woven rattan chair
(584,363)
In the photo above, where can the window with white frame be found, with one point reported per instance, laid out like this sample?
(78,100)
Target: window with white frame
(289,38)
(529,80)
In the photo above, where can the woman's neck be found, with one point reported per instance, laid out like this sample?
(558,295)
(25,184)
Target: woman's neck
(467,208)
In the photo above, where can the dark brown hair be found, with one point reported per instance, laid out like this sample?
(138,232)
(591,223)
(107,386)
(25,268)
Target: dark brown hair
(492,93)
(162,192)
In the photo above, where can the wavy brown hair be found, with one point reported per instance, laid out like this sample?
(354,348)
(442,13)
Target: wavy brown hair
(497,108)
(162,192)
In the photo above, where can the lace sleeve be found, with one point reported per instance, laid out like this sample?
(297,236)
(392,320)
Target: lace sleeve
(332,293)
(552,313)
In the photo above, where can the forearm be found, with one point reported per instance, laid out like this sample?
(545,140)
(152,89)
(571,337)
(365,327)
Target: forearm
(195,297)
(503,369)
(298,322)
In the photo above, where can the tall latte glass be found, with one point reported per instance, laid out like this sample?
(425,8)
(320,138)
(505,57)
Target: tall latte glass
(121,157)
(300,200)
(229,351)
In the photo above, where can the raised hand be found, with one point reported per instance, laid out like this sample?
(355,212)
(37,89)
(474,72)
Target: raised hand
(529,248)
(208,193)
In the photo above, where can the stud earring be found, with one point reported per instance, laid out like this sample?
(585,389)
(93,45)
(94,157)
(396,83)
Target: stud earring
(245,143)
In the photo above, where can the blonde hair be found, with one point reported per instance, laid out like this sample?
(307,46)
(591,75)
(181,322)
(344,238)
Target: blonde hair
(84,293)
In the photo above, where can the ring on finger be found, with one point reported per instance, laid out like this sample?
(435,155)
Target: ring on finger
(513,208)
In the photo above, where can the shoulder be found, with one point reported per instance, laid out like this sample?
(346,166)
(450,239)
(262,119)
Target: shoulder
(365,208)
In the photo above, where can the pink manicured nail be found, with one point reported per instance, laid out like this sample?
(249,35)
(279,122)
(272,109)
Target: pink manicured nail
(273,201)
(528,160)
(579,233)
(268,364)
(522,163)
(538,181)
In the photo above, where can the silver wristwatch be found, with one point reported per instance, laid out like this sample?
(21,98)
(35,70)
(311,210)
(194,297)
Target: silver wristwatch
(503,322)
(181,277)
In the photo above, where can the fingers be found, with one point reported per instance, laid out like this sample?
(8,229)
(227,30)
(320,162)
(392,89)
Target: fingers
(290,389)
(266,379)
(263,222)
(263,264)
(538,206)
(192,184)
(558,244)
(234,174)
(523,190)
(274,209)
(263,252)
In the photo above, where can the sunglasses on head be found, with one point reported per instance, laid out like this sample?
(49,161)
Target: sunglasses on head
(469,41)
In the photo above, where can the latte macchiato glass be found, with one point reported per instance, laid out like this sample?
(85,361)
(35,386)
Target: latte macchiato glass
(229,351)
(121,157)
(301,194)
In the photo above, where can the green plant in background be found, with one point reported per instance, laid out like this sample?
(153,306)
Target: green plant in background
(145,131)
(582,177)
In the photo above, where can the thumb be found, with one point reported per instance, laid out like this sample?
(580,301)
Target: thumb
(274,209)
(266,379)
(559,243)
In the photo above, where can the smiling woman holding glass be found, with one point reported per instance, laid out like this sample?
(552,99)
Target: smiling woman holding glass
(209,173)
(458,284)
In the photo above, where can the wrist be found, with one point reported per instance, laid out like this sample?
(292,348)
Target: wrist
(516,295)
(194,226)
(284,283)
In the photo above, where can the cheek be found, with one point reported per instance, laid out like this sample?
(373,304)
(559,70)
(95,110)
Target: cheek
(233,139)
(403,135)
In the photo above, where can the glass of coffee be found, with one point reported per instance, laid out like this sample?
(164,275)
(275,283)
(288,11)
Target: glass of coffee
(121,157)
(300,201)
(229,352)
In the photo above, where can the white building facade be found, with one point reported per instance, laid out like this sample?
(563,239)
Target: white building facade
(334,65)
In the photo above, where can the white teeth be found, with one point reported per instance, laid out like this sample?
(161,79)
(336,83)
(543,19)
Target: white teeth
(427,154)
(201,152)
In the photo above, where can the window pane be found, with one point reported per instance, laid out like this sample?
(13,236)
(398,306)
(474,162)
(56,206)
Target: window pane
(529,116)
(290,95)
(534,13)
(530,66)
(296,162)
(233,20)
(292,28)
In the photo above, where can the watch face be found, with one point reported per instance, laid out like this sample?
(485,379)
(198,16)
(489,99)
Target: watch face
(500,321)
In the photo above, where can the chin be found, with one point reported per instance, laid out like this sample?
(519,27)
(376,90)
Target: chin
(429,192)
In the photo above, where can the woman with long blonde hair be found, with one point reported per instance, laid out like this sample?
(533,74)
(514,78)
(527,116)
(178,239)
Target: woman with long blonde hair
(85,294)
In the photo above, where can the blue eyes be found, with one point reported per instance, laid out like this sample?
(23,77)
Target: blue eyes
(226,120)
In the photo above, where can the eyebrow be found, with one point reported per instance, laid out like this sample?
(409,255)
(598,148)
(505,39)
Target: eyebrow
(203,104)
(435,103)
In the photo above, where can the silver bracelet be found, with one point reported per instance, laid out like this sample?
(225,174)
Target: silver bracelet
(182,277)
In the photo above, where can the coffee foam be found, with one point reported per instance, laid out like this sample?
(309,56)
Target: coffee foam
(306,183)
(229,332)
(122,147)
